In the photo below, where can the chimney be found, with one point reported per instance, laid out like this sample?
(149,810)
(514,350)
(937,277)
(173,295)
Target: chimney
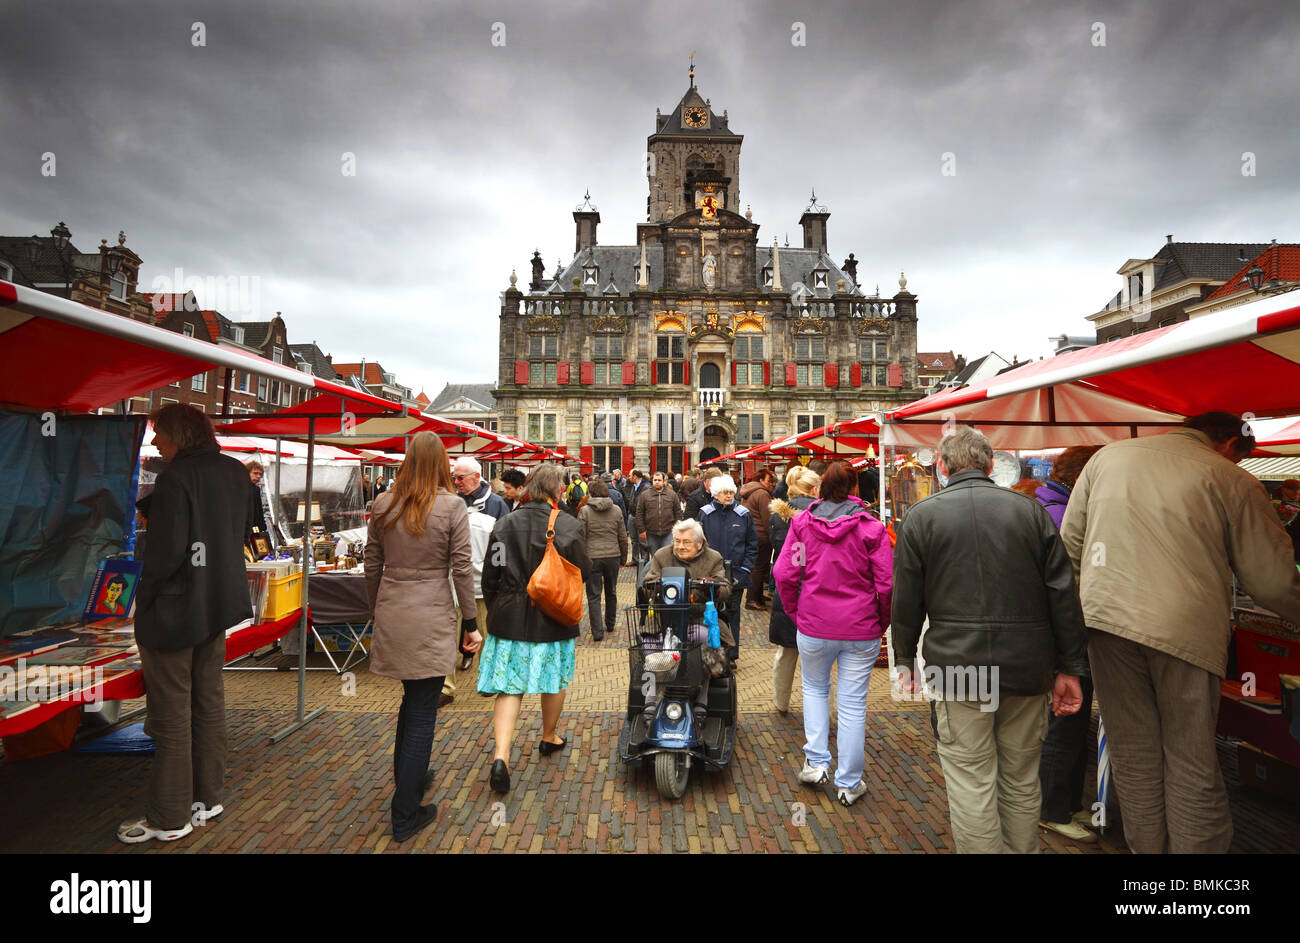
(813,222)
(1169,239)
(587,217)
(538,273)
(850,268)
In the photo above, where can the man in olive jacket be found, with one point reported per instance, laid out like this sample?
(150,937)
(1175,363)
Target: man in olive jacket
(987,566)
(193,588)
(1156,527)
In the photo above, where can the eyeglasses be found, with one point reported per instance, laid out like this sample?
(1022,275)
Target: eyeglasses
(461,477)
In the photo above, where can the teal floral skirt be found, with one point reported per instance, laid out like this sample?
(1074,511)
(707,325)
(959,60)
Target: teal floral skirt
(509,667)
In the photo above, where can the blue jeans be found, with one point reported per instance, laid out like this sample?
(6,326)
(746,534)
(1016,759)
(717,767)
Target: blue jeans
(855,659)
(413,749)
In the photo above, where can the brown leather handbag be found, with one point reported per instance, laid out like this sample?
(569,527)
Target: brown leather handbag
(556,585)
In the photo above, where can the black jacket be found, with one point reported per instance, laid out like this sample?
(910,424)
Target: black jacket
(696,500)
(193,585)
(781,629)
(988,567)
(517,547)
(256,518)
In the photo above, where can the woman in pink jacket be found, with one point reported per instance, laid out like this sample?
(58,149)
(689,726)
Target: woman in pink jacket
(835,578)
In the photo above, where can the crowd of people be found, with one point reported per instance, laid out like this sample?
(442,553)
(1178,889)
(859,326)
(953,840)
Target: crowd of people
(1008,610)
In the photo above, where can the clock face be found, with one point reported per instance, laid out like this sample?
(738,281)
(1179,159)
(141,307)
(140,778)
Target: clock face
(695,117)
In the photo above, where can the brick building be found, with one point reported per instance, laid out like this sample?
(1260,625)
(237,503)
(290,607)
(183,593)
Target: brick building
(701,337)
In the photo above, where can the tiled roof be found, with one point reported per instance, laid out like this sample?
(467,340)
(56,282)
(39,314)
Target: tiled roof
(1212,260)
(313,355)
(1281,263)
(374,372)
(480,393)
(937,361)
(672,123)
(255,332)
(422,400)
(36,258)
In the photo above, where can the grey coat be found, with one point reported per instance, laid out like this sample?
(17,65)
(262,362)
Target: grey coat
(603,532)
(417,629)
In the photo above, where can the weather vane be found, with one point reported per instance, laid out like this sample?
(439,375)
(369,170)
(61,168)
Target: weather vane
(692,68)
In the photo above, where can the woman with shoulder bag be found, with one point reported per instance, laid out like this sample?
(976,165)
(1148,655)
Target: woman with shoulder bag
(802,484)
(418,532)
(527,650)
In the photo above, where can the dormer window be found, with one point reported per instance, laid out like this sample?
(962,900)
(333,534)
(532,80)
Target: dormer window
(187,330)
(118,288)
(820,278)
(590,273)
(767,276)
(237,334)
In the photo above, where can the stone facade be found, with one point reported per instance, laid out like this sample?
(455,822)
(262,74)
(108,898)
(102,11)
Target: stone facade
(699,339)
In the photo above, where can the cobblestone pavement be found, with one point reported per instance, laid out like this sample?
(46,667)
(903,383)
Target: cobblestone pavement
(326,788)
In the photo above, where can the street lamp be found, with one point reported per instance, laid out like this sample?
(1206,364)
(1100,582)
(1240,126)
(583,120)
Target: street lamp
(62,235)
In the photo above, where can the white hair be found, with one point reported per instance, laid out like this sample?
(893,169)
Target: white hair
(692,527)
(468,463)
(720,484)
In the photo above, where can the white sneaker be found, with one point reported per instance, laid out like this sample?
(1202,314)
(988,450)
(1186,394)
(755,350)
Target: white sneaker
(849,796)
(814,775)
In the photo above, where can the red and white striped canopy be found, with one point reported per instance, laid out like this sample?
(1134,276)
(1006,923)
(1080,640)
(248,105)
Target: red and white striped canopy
(1243,360)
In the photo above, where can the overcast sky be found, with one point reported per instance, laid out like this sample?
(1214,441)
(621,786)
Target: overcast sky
(226,159)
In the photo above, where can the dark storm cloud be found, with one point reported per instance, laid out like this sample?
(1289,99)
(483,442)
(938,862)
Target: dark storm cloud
(226,160)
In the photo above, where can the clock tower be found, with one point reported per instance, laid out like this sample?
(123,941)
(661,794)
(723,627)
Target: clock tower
(694,160)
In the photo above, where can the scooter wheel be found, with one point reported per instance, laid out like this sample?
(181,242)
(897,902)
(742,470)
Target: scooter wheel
(671,773)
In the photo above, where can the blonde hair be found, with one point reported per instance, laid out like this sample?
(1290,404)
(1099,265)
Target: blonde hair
(425,472)
(803,481)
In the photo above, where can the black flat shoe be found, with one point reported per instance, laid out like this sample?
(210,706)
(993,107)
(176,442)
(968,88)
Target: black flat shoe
(426,816)
(466,662)
(547,748)
(500,778)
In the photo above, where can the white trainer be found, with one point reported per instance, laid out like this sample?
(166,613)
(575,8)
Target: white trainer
(849,796)
(814,775)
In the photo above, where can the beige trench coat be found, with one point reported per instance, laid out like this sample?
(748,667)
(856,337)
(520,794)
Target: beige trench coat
(417,630)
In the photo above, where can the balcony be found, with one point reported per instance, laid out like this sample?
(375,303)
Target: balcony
(712,398)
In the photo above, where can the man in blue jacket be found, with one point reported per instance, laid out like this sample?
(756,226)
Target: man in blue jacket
(729,529)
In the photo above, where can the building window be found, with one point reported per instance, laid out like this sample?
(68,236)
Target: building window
(810,360)
(1168,321)
(187,330)
(590,275)
(749,429)
(767,276)
(117,289)
(881,375)
(819,278)
(670,363)
(237,334)
(543,352)
(607,354)
(199,383)
(605,457)
(669,459)
(749,359)
(806,422)
(261,389)
(607,427)
(542,427)
(669,427)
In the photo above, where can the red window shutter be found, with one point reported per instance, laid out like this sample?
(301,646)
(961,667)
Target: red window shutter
(629,373)
(733,373)
(521,371)
(586,373)
(653,462)
(629,458)
(654,372)
(686,462)
(686,374)
(767,373)
(855,375)
(832,374)
(895,374)
(791,374)
(584,453)
(562,373)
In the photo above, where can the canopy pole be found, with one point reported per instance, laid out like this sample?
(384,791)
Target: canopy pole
(303,719)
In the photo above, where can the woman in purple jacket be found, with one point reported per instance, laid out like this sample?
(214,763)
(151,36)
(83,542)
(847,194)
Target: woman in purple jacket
(835,579)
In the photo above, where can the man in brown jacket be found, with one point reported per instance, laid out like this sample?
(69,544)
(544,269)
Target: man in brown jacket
(756,495)
(657,510)
(1156,527)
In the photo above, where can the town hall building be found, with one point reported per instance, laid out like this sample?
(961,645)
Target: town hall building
(701,337)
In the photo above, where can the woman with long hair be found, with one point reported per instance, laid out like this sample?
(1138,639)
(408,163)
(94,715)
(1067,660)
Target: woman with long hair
(527,652)
(418,532)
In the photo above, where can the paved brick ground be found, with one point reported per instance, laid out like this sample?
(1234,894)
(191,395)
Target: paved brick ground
(326,788)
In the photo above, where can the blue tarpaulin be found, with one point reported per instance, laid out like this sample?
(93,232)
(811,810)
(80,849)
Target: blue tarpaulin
(67,497)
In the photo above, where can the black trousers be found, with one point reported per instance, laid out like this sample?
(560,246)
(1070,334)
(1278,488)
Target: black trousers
(413,748)
(604,572)
(1065,757)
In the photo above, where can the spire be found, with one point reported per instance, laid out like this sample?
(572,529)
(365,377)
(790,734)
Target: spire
(692,68)
(776,266)
(643,280)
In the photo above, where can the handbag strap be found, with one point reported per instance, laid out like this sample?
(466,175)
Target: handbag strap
(550,523)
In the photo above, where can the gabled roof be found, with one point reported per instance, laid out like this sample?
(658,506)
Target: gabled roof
(422,400)
(1213,260)
(374,372)
(1280,263)
(480,393)
(36,257)
(944,361)
(255,332)
(672,123)
(313,355)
